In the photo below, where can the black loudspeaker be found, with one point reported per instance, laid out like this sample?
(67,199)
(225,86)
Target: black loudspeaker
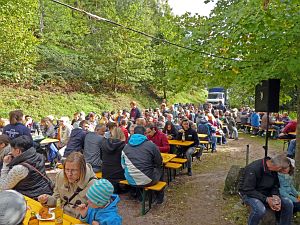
(267,96)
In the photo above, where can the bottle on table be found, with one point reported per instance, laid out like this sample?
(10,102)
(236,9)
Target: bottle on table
(183,136)
(33,219)
(58,213)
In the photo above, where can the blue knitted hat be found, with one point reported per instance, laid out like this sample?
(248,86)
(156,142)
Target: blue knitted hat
(100,192)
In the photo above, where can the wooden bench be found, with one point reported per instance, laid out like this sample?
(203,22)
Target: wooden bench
(180,161)
(172,167)
(147,192)
(271,131)
(285,141)
(206,144)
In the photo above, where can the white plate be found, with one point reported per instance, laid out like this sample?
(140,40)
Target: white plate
(51,218)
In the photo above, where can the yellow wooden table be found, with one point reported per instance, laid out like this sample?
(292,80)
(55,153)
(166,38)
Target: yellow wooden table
(279,123)
(202,135)
(167,157)
(48,141)
(180,143)
(36,206)
(293,133)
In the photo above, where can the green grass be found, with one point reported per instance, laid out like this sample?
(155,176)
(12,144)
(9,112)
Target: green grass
(39,104)
(192,96)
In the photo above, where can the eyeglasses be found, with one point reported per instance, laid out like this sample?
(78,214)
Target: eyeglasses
(72,171)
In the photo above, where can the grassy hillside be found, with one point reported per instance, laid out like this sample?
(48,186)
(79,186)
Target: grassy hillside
(39,104)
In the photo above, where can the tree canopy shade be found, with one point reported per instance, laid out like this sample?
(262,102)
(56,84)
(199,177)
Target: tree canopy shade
(240,44)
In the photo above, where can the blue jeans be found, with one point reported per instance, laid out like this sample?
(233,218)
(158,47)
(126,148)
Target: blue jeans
(188,155)
(292,148)
(258,210)
(213,140)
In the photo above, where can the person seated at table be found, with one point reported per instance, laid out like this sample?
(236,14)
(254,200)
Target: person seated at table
(131,130)
(16,128)
(32,125)
(110,127)
(170,130)
(158,138)
(47,128)
(171,133)
(287,188)
(111,157)
(102,205)
(92,147)
(123,126)
(189,135)
(141,121)
(13,208)
(285,118)
(92,121)
(64,132)
(71,184)
(255,122)
(290,127)
(5,148)
(205,127)
(142,162)
(24,169)
(76,120)
(271,125)
(76,141)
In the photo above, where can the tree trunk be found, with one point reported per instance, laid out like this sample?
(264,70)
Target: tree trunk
(297,157)
(41,16)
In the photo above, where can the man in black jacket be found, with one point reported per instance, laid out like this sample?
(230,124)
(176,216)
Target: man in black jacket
(189,135)
(260,189)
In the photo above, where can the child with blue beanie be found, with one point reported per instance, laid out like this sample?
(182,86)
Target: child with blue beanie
(102,205)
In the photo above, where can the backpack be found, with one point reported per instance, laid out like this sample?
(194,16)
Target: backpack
(203,129)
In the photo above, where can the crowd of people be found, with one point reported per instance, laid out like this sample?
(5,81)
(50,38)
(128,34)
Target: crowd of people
(122,145)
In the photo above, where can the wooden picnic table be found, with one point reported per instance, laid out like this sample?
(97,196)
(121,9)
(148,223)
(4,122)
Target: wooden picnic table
(48,141)
(279,122)
(36,206)
(202,135)
(180,143)
(293,133)
(167,157)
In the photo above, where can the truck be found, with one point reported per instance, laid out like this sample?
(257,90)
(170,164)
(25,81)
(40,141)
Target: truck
(217,94)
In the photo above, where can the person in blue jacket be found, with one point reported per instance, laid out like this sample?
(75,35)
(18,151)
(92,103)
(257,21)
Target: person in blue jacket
(102,205)
(287,188)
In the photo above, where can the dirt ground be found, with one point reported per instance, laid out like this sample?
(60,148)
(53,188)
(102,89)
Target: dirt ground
(198,200)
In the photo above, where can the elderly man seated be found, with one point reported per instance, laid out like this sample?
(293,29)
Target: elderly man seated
(260,189)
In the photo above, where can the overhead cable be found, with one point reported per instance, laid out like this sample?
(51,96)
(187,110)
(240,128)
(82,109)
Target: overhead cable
(98,18)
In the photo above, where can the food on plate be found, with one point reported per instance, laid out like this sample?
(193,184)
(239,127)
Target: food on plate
(44,213)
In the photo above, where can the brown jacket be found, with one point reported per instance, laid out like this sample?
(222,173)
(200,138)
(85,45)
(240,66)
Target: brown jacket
(64,189)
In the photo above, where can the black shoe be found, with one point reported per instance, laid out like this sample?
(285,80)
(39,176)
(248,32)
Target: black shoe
(190,171)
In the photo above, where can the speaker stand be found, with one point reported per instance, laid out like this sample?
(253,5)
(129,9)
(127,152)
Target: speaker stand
(267,136)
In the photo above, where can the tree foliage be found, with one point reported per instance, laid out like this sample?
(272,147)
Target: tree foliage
(240,44)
